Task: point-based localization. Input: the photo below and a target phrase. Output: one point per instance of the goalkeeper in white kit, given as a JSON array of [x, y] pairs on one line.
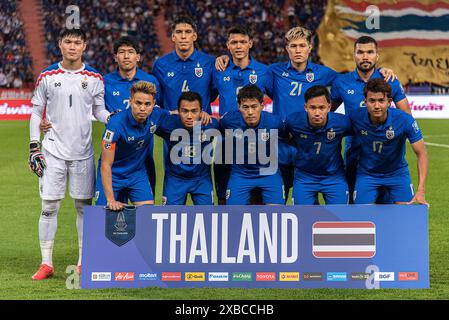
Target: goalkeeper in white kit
[[71, 93]]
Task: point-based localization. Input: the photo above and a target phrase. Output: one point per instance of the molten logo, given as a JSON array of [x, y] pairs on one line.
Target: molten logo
[[124, 276]]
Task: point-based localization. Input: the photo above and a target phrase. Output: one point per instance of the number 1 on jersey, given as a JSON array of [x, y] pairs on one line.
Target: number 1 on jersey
[[70, 101]]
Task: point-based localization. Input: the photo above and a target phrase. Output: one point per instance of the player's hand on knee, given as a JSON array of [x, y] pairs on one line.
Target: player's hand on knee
[[419, 198], [221, 63], [36, 160], [45, 126], [115, 205]]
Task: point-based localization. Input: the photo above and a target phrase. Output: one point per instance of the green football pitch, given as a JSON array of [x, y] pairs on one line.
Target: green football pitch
[[20, 253]]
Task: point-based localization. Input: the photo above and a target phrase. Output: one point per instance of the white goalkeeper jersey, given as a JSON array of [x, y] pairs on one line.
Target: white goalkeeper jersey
[[70, 97]]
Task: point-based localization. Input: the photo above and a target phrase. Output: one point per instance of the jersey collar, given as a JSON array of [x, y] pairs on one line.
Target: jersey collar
[[309, 67], [192, 57], [71, 71], [376, 74], [249, 66]]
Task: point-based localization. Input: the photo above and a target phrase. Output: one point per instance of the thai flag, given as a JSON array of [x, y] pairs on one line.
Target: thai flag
[[332, 239], [402, 23]]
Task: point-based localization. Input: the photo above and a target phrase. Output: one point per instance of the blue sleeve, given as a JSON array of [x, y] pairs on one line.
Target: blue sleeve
[[335, 93], [158, 74], [412, 130], [112, 132], [397, 91], [331, 75], [269, 80]]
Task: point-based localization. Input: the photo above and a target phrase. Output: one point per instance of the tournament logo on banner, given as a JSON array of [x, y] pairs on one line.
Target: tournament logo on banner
[[412, 36], [120, 226], [340, 246]]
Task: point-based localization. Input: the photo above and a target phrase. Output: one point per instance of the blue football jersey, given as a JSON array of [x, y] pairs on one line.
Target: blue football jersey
[[229, 82], [383, 147], [246, 149], [286, 86], [117, 89], [132, 141], [176, 76], [318, 150], [190, 150], [348, 88]]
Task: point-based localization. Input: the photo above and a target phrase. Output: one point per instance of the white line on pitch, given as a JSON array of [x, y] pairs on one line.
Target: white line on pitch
[[437, 145]]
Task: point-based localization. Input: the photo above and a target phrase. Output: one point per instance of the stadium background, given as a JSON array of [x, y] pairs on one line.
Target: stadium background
[[28, 44]]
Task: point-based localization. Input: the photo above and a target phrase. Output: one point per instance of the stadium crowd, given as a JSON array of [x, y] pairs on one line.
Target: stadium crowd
[[15, 60], [105, 21]]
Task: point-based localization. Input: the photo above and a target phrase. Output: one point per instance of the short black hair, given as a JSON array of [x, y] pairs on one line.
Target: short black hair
[[250, 92], [365, 40], [190, 96], [128, 42], [183, 19], [317, 91], [77, 33], [377, 85], [239, 29]]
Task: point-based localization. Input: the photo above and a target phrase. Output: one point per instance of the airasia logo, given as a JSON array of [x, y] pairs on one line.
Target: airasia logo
[[124, 276]]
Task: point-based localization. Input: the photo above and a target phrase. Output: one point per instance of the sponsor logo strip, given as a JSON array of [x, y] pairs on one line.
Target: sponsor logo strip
[[171, 276], [194, 276], [101, 276], [218, 276], [312, 276], [147, 276], [124, 276], [242, 276], [383, 276], [408, 276], [336, 276], [265, 276], [288, 276]]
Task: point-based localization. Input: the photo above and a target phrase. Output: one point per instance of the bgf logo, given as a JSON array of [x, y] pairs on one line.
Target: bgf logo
[[384, 276], [57, 84], [170, 74]]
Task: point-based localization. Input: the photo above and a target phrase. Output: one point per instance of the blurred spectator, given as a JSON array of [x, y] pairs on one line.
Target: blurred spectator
[[104, 22], [15, 60]]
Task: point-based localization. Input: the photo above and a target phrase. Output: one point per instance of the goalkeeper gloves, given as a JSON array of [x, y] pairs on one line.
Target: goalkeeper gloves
[[36, 160]]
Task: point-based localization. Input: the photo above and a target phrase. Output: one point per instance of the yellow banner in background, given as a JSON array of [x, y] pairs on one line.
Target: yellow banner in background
[[413, 37]]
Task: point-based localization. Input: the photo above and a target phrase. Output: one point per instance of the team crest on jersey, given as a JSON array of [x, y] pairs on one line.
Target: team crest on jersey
[[198, 71], [265, 136], [389, 133], [331, 134], [253, 77], [310, 76], [84, 83]]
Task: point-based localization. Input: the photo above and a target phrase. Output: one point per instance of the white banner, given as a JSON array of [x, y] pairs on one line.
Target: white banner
[[425, 106]]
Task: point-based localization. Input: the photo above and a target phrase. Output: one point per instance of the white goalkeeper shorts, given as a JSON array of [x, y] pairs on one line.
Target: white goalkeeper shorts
[[80, 175]]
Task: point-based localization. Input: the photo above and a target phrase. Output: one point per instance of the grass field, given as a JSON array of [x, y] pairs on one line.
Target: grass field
[[20, 253]]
